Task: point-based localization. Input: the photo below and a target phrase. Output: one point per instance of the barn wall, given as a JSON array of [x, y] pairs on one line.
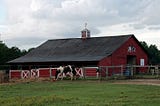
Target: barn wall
[[122, 52], [119, 57], [106, 61]]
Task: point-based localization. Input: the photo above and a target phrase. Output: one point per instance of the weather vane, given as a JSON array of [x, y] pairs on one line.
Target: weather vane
[[85, 25]]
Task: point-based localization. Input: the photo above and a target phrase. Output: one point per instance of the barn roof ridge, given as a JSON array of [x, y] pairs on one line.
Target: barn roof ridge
[[92, 37]]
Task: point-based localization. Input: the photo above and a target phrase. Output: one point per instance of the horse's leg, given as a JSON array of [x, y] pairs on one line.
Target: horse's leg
[[74, 74], [58, 76], [71, 75], [74, 77], [61, 76]]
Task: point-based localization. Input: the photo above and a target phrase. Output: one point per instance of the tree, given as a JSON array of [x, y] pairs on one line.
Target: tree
[[30, 49], [8, 54], [3, 53], [153, 52]]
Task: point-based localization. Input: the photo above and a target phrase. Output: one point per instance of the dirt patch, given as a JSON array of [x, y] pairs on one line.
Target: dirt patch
[[140, 82], [16, 81], [155, 82], [3, 77]]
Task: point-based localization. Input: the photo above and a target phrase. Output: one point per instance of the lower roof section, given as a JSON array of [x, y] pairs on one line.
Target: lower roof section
[[60, 63]]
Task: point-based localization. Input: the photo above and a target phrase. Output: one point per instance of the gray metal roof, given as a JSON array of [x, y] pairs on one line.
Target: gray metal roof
[[74, 49]]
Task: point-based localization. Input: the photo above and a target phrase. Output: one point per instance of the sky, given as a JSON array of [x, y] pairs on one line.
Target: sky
[[29, 23]]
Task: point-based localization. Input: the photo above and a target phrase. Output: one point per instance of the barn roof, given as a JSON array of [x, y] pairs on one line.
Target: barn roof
[[74, 49]]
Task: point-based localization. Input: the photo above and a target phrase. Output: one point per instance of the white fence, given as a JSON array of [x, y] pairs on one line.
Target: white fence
[[101, 72]]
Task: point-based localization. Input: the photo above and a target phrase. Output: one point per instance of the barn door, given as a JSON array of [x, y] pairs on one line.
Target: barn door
[[131, 60]]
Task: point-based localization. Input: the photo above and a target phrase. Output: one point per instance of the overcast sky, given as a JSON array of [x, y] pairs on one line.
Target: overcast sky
[[29, 23]]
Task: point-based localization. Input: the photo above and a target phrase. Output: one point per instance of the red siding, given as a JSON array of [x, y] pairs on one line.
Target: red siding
[[53, 71], [106, 61], [44, 72], [15, 74], [90, 72], [122, 52], [119, 57]]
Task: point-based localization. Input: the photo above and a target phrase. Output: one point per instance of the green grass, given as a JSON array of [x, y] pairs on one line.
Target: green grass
[[78, 93], [146, 76]]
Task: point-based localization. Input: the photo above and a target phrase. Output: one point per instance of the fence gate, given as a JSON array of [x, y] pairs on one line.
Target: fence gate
[[34, 73], [79, 72], [25, 74]]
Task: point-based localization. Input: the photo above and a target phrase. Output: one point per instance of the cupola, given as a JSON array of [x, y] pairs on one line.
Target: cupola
[[85, 33]]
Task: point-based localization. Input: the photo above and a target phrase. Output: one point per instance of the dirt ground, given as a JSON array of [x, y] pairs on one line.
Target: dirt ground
[[139, 82], [155, 82]]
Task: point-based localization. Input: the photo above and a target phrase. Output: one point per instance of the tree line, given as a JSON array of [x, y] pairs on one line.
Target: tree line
[[8, 54], [153, 53]]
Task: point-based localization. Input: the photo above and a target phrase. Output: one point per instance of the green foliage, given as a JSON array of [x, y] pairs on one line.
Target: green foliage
[[153, 52], [30, 49], [7, 54], [78, 93]]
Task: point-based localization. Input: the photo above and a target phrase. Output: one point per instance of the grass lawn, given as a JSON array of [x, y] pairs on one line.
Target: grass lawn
[[78, 93]]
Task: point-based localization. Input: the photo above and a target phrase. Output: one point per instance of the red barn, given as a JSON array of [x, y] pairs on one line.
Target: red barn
[[86, 51]]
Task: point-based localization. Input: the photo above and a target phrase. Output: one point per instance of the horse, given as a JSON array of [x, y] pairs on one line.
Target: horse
[[63, 71]]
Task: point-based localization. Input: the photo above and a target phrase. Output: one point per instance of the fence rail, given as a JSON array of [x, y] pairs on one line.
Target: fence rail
[[132, 71], [101, 72]]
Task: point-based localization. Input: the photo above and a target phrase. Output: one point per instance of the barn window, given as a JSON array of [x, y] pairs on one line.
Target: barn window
[[131, 49], [142, 62]]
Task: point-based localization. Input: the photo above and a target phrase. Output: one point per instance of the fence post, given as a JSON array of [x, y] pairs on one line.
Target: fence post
[[132, 70], [21, 74], [50, 72], [121, 70], [98, 72], [10, 74], [106, 72], [84, 72], [148, 69], [157, 71]]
